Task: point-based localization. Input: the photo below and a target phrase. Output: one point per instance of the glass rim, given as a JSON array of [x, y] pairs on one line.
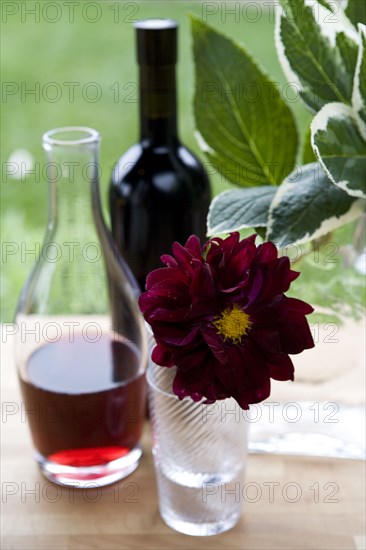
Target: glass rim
[[92, 136], [153, 385]]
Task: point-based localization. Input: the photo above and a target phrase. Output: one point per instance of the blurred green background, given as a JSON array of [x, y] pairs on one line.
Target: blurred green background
[[79, 59]]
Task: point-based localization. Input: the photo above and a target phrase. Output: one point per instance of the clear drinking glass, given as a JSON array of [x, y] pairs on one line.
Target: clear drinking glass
[[199, 454], [81, 346]]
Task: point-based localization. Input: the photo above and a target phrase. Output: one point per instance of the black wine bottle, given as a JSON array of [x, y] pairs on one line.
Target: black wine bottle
[[159, 192]]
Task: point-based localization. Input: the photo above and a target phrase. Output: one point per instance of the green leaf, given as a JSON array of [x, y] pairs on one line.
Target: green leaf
[[327, 5], [348, 50], [339, 147], [356, 11], [307, 151], [237, 209], [359, 85], [308, 205], [261, 231], [240, 114], [316, 51]]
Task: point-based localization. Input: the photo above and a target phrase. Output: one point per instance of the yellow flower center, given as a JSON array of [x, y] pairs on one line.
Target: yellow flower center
[[233, 324]]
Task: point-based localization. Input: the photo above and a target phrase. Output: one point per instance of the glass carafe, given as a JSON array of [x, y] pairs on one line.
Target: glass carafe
[[81, 344]]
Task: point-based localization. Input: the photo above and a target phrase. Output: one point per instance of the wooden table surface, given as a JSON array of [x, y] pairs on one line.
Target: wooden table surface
[[290, 502]]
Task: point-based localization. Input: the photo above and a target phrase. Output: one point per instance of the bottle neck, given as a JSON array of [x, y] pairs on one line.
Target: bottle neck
[[158, 105], [71, 172]]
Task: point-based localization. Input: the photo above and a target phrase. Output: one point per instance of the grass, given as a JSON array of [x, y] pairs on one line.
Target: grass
[[36, 53]]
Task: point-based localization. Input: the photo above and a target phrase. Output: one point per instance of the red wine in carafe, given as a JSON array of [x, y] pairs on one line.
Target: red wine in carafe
[[85, 401]]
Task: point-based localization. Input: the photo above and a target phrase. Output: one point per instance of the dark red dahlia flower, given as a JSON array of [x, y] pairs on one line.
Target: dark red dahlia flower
[[220, 315]]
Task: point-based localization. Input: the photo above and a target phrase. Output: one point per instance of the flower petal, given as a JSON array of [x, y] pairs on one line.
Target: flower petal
[[175, 334], [194, 246], [215, 343], [266, 252], [168, 260], [293, 328], [165, 274], [283, 370], [162, 356]]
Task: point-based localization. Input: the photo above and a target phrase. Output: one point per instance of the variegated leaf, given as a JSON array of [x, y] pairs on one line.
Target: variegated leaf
[[316, 48], [237, 209], [340, 148], [359, 84], [308, 205]]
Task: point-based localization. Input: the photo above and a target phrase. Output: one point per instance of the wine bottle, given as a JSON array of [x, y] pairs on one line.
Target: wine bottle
[[159, 191]]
